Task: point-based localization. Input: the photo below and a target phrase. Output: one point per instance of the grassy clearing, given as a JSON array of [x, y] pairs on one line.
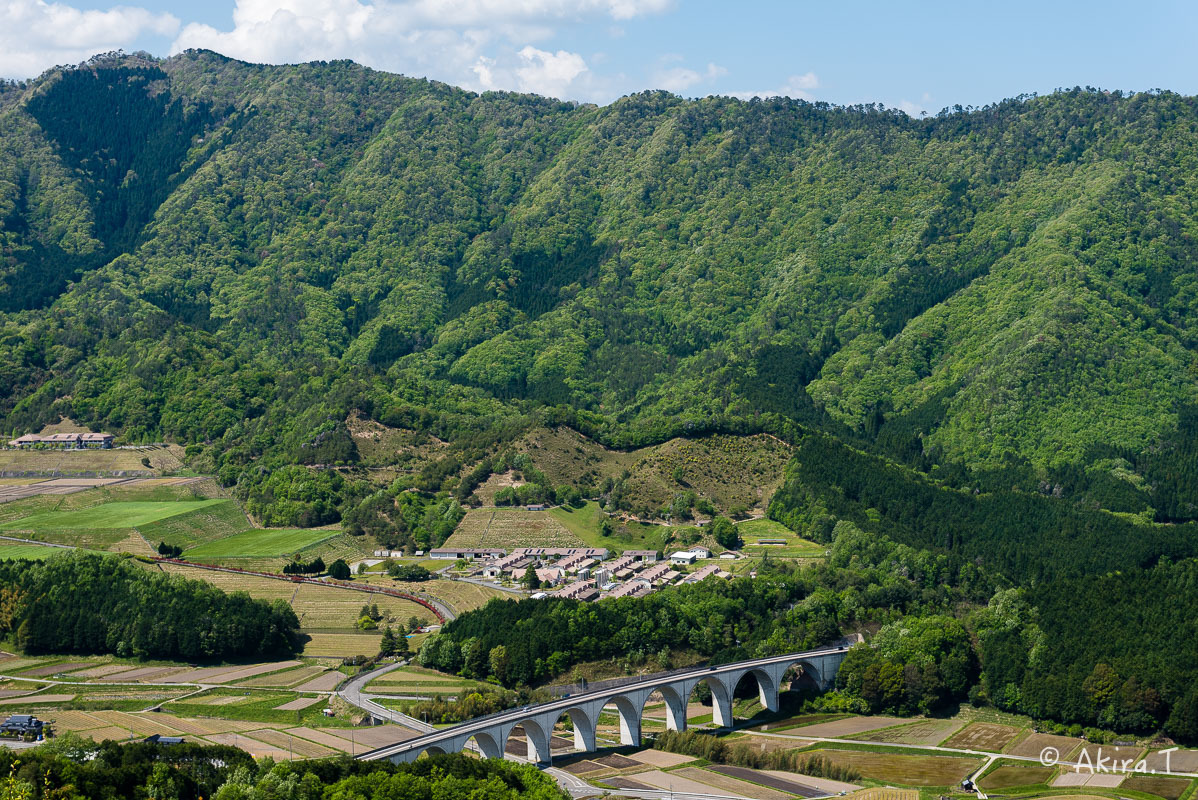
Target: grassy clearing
[[509, 528], [108, 515], [731, 471], [756, 531], [584, 523], [262, 543]]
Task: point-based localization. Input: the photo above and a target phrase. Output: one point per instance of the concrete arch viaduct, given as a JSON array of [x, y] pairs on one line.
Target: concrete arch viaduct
[[490, 733]]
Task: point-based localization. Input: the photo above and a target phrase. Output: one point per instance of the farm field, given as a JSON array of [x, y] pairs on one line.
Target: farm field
[[417, 680], [1160, 786], [261, 542], [849, 726], [509, 528], [339, 645], [205, 524], [987, 736], [31, 551], [460, 596], [1012, 775], [1034, 744], [907, 770], [928, 731], [107, 515]]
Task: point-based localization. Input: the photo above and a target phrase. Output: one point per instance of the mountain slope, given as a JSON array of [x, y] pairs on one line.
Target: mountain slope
[[258, 252]]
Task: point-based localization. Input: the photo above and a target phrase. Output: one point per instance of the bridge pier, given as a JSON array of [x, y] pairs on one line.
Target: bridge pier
[[676, 696], [537, 733]]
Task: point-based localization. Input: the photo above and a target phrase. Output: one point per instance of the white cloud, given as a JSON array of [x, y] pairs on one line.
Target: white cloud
[[799, 87], [916, 109], [548, 73], [479, 44], [36, 35], [679, 79]]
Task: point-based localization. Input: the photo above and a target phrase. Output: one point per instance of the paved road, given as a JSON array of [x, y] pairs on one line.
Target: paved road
[[353, 693]]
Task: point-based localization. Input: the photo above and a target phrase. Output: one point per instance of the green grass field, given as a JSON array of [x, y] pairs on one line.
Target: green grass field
[[30, 551], [108, 515], [261, 543]]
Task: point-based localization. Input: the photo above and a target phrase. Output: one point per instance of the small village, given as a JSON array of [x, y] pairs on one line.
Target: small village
[[581, 573]]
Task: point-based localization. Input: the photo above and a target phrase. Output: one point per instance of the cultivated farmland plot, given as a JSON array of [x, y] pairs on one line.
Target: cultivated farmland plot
[[510, 528], [108, 515], [907, 770], [261, 543]]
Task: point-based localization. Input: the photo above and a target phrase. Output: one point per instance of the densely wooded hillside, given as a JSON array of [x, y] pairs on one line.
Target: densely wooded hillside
[[242, 257]]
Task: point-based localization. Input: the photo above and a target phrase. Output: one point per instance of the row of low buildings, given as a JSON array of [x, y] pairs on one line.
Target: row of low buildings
[[65, 441], [584, 573]]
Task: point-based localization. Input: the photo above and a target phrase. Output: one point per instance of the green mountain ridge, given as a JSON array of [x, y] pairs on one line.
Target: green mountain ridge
[[254, 253]]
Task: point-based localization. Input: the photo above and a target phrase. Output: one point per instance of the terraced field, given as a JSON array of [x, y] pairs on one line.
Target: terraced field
[[510, 528]]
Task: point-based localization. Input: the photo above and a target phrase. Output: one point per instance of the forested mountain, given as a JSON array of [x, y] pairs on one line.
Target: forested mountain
[[241, 257]]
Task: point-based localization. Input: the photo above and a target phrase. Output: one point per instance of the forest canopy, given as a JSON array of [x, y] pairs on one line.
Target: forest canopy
[[88, 603]]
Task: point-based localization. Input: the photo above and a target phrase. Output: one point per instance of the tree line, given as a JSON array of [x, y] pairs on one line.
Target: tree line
[[89, 603]]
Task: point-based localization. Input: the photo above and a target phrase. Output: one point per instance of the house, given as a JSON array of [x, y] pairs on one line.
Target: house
[[642, 555], [536, 507], [575, 563], [667, 577], [102, 441], [652, 574], [579, 590], [22, 724], [548, 576], [690, 556], [158, 738], [634, 588], [469, 553], [28, 440], [597, 553], [65, 440], [703, 573], [623, 562]]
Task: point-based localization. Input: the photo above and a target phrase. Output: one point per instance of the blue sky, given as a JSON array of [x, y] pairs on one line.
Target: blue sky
[[919, 56]]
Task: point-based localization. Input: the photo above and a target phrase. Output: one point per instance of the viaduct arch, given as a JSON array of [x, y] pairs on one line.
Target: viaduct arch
[[490, 733]]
